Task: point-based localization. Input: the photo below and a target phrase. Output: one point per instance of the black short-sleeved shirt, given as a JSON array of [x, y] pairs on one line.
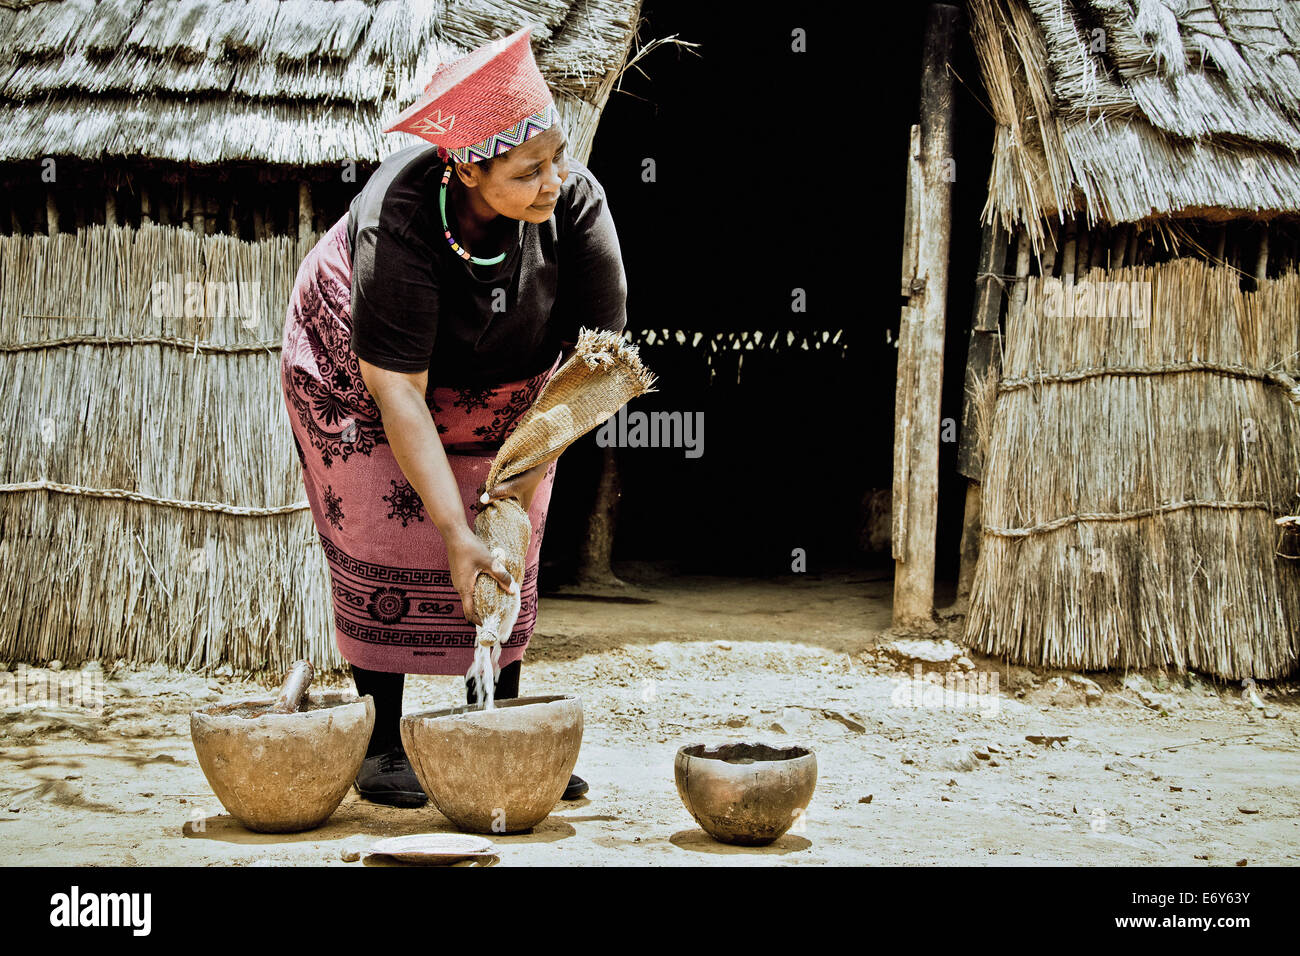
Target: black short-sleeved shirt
[[417, 305]]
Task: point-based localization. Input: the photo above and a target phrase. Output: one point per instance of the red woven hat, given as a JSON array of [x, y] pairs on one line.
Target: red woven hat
[[484, 103]]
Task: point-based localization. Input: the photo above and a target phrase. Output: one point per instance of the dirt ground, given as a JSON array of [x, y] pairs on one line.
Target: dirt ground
[[1150, 773]]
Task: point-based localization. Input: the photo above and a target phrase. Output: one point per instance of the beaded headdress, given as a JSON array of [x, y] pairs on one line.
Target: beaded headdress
[[483, 104]]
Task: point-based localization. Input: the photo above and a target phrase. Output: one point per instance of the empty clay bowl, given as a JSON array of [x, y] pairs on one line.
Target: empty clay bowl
[[280, 773], [746, 794], [500, 770]]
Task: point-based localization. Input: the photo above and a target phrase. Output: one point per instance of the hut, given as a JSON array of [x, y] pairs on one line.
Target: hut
[[1135, 387], [165, 167]]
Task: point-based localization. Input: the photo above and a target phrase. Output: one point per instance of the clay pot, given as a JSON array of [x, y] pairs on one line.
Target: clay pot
[[500, 770], [746, 794], [280, 773]]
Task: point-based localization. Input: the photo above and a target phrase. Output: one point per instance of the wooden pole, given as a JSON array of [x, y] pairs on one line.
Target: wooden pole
[[1261, 261], [905, 385], [304, 212], [146, 210], [597, 546], [982, 355], [1100, 250], [972, 528], [187, 205], [1119, 245], [911, 221], [1069, 251], [920, 358], [110, 208], [51, 214], [1047, 260], [982, 360], [198, 221], [163, 205]]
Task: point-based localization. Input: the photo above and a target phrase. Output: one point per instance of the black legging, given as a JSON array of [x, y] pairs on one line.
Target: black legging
[[386, 689]]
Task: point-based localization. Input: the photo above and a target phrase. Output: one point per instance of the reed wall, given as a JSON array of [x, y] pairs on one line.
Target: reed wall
[[1139, 449]]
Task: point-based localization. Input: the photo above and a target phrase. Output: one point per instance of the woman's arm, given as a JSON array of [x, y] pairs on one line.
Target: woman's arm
[[414, 439]]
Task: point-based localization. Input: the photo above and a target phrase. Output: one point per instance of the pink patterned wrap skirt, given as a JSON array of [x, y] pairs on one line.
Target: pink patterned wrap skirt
[[395, 608]]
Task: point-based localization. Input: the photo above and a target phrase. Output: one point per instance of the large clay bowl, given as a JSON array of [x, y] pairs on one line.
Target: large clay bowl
[[280, 773], [496, 771], [746, 794]]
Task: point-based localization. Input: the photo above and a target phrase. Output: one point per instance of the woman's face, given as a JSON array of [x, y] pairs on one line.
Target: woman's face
[[524, 182]]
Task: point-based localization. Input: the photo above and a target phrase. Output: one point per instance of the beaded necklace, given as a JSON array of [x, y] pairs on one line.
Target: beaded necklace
[[446, 229]]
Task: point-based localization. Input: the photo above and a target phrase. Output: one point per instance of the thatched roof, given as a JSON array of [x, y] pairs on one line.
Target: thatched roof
[[299, 82], [1133, 109]]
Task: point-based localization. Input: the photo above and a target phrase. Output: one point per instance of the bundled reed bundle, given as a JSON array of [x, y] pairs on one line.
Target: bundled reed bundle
[[150, 497], [602, 375], [1134, 469]]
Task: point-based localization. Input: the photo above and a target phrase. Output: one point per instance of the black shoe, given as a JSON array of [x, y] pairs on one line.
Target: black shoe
[[576, 788], [387, 778]]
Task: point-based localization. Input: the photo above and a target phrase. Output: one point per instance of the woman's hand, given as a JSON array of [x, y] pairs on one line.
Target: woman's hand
[[523, 486], [467, 556]]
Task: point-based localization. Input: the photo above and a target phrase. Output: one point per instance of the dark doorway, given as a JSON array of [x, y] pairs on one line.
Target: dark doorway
[[774, 171]]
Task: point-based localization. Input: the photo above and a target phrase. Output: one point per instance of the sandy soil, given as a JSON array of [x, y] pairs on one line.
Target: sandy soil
[[1197, 775]]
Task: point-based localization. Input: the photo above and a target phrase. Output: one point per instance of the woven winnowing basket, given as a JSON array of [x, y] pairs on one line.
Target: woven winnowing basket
[[602, 375]]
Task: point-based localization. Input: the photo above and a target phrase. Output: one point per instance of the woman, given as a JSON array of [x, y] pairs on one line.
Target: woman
[[408, 359]]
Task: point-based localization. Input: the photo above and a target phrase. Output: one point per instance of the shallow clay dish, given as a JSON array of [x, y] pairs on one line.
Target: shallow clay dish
[[433, 847], [500, 770], [746, 794], [280, 773]]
